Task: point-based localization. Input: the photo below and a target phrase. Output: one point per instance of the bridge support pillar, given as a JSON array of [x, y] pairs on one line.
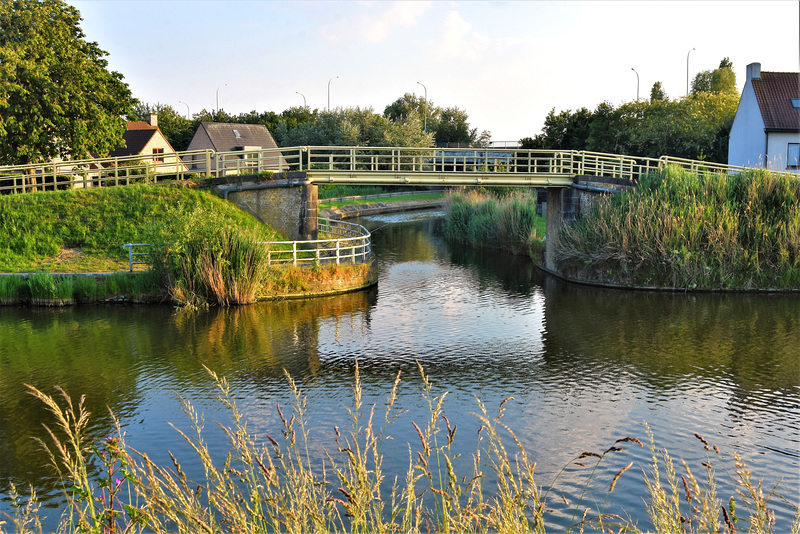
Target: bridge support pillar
[[555, 219], [308, 214]]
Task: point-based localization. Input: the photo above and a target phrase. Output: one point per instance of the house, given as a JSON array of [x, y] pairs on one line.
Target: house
[[146, 139], [766, 129], [232, 137]]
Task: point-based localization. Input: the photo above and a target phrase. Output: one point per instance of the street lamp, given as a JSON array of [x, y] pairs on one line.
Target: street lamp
[[218, 88], [426, 106], [304, 98], [637, 84], [329, 92], [187, 108], [687, 71]]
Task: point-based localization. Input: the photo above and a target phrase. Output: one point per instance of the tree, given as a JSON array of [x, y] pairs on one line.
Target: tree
[[720, 80], [657, 93], [57, 96]]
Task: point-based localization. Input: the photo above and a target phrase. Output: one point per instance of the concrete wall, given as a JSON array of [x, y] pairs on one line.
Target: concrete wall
[[291, 210]]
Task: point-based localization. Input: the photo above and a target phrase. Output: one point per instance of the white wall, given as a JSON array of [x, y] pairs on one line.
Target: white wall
[[747, 141], [777, 147]]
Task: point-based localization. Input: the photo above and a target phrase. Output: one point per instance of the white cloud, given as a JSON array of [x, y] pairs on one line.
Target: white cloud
[[374, 21], [453, 40]]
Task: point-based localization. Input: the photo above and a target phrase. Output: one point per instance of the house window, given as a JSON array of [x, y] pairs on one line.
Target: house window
[[796, 103], [793, 156], [158, 151], [237, 134]]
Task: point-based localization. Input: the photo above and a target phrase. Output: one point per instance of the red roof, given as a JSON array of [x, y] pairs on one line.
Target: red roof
[[774, 92], [136, 137]]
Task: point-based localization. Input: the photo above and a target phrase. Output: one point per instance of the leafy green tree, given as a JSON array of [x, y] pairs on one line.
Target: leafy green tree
[[657, 93], [57, 96], [358, 127], [720, 80]]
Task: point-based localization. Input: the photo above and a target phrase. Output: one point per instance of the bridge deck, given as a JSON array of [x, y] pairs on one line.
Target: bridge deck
[[353, 165]]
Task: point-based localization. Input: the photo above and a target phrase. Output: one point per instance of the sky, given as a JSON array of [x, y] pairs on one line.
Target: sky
[[506, 63]]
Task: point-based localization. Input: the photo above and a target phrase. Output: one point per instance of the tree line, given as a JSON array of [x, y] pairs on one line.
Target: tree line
[[408, 121], [693, 127]]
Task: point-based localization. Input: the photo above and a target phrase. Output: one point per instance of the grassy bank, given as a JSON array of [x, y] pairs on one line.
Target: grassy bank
[[288, 481], [689, 231], [84, 230], [506, 222], [205, 251]]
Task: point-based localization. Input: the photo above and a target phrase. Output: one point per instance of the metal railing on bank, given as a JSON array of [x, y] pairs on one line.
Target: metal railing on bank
[[346, 162], [350, 243]]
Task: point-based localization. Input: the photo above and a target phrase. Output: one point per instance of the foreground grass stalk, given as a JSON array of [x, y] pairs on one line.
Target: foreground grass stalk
[[268, 484]]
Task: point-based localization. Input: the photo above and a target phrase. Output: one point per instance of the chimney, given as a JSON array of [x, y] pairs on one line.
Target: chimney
[[754, 72], [152, 120]]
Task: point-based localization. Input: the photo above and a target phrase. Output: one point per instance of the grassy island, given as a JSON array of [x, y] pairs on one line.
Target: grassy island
[[205, 250], [676, 230], [691, 231]]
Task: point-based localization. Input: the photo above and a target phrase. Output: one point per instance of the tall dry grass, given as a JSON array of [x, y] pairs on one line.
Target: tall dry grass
[[274, 483], [692, 231]]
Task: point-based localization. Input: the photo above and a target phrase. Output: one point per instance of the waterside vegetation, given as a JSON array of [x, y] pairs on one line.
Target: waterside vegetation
[[682, 230], [274, 483], [507, 221], [205, 251]]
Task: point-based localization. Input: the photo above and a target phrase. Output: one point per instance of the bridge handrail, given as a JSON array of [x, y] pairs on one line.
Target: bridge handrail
[[353, 245], [319, 160]]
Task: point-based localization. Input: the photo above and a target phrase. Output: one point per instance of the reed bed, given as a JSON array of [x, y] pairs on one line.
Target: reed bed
[[692, 231], [45, 289], [205, 260], [508, 222], [272, 483]]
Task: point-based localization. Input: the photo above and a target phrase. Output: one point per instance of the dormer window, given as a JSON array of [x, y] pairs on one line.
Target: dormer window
[[796, 103]]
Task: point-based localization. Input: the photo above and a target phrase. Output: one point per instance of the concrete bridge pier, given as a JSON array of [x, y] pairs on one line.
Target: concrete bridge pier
[[555, 220]]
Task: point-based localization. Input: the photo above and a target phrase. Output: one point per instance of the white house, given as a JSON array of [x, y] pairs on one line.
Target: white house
[[146, 139], [766, 129]]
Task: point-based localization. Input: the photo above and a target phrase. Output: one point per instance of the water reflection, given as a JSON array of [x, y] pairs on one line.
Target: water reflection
[[585, 366]]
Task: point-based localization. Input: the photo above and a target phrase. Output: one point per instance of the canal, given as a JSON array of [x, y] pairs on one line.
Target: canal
[[583, 367]]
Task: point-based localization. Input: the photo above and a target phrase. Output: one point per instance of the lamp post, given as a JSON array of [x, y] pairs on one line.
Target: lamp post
[[687, 71], [187, 108], [304, 98], [329, 92], [637, 84], [218, 88], [426, 106]]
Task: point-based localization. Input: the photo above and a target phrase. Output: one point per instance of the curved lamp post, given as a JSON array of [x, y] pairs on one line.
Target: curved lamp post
[[329, 92], [187, 108], [687, 71], [426, 106], [304, 98], [218, 88], [637, 84]]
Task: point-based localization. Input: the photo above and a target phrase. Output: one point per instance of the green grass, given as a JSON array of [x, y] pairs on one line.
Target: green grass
[[688, 231], [39, 228], [339, 190], [402, 198]]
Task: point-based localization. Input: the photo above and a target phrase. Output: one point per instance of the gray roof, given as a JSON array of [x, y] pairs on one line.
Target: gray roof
[[225, 137]]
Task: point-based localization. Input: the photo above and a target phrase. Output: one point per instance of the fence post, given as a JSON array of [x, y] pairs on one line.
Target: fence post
[[208, 164]]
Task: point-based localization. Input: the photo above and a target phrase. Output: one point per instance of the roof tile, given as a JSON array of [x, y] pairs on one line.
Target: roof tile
[[774, 92]]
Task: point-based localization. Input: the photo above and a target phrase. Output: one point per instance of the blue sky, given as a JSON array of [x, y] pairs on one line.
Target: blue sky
[[506, 63]]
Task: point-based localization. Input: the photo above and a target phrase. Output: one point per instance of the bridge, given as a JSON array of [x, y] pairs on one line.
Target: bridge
[[310, 166]]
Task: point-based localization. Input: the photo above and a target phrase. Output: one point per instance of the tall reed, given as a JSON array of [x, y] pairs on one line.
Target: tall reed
[[692, 231], [508, 221]]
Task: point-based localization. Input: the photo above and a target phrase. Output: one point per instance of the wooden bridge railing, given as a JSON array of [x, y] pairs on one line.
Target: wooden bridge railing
[[329, 159]]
